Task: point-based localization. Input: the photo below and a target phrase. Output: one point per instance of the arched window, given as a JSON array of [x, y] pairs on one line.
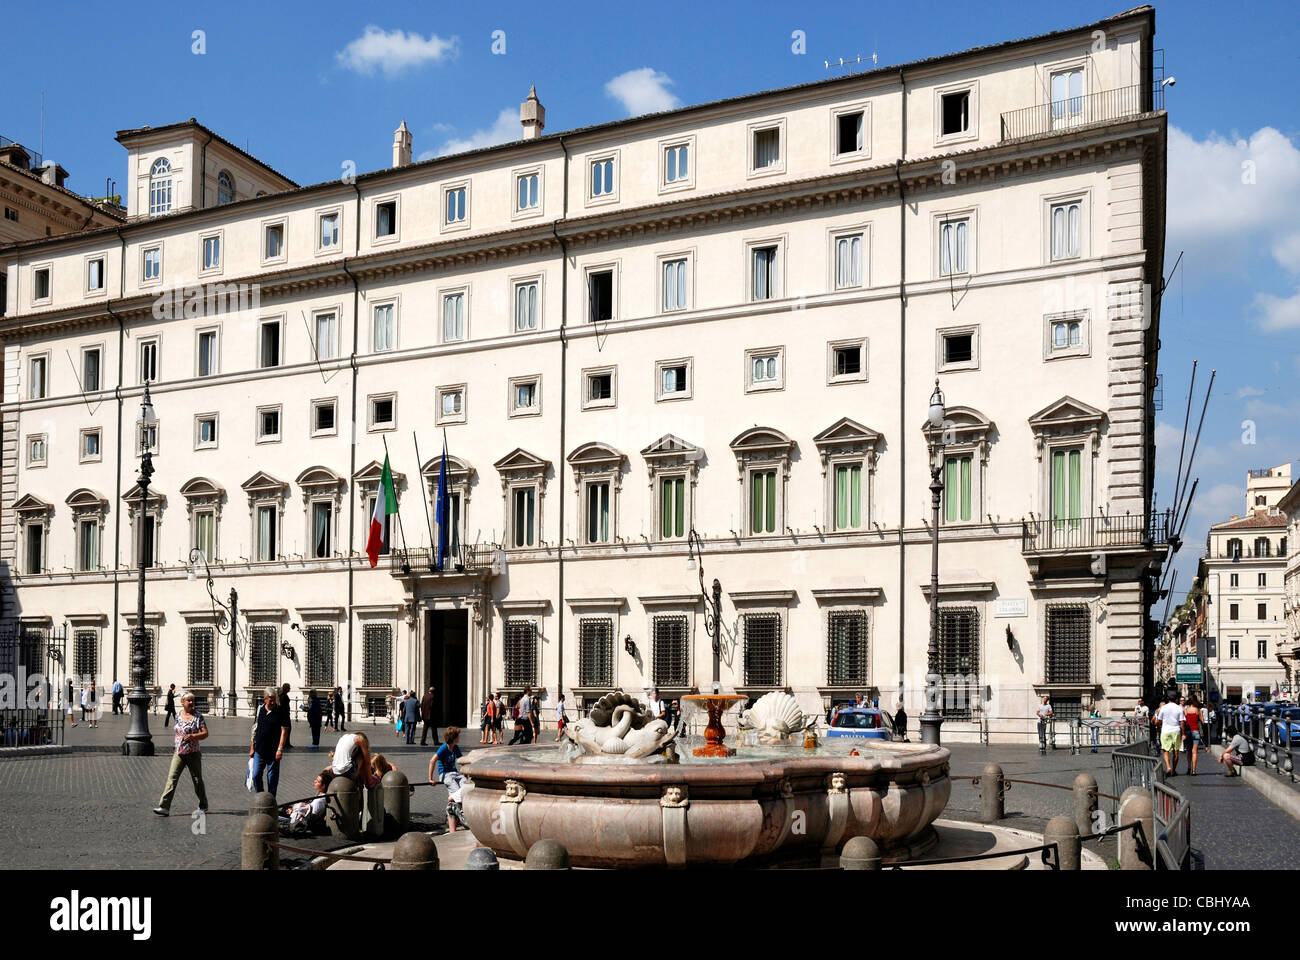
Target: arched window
[[160, 187], [225, 187]]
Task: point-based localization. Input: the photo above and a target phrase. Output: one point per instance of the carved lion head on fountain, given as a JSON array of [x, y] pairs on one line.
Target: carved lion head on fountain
[[618, 725]]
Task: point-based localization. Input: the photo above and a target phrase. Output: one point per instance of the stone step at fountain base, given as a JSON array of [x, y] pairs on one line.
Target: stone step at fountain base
[[957, 838]]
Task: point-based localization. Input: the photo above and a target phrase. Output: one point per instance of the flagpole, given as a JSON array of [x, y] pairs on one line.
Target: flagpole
[[425, 488], [406, 554]]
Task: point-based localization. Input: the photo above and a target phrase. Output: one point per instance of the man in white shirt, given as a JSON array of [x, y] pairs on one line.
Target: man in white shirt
[[1171, 718], [656, 707]]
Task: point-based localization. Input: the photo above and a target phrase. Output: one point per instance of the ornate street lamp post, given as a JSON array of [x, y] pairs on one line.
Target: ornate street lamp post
[[227, 624], [139, 742], [932, 718], [712, 604]]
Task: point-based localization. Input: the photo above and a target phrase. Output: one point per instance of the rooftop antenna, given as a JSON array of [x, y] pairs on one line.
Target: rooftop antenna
[[851, 63]]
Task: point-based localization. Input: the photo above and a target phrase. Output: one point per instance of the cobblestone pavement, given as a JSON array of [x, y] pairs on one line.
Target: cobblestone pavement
[[90, 807]]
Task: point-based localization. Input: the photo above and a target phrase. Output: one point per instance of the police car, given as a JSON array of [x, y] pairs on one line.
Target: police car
[[866, 723]]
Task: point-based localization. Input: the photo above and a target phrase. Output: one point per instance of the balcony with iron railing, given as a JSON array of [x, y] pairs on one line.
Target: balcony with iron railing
[[1059, 115], [471, 559], [1122, 532]]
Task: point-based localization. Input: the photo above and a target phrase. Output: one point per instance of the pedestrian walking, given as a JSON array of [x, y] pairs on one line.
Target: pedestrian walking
[[1195, 727], [1044, 714], [285, 719], [534, 719], [190, 729], [656, 707], [92, 704], [1171, 719], [267, 744], [426, 717], [314, 717], [519, 717], [1141, 718], [67, 703], [499, 719], [117, 697], [83, 703], [485, 711], [900, 720], [442, 769], [411, 717], [561, 720], [338, 709], [171, 705]]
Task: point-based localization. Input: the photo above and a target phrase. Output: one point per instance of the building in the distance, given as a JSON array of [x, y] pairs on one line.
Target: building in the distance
[[1246, 645], [1289, 506], [708, 335]]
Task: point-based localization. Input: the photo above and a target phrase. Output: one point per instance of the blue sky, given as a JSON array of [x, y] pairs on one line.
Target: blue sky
[[299, 86]]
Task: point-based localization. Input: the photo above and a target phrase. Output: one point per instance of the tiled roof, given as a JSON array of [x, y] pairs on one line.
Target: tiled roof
[[1256, 521], [64, 191]]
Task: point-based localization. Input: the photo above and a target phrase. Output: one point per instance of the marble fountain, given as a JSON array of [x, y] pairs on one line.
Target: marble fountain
[[623, 790]]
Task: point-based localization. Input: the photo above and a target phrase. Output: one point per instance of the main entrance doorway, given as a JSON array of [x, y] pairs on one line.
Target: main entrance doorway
[[448, 669]]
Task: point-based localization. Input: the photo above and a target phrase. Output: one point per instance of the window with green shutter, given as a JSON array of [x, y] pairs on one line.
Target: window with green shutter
[[848, 496], [762, 501], [672, 508], [957, 488], [1067, 487]]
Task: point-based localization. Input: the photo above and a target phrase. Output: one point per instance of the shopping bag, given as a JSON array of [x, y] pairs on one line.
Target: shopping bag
[[399, 724], [248, 778]]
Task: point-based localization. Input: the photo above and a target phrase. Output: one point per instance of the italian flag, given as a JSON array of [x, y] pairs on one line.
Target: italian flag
[[385, 505]]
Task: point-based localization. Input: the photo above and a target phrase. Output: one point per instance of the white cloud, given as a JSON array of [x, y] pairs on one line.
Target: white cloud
[[1243, 392], [643, 90], [1227, 195], [505, 129], [1278, 313], [393, 51]]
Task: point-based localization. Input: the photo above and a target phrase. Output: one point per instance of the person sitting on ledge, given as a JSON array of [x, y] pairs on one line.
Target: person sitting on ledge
[[1237, 754], [352, 759]]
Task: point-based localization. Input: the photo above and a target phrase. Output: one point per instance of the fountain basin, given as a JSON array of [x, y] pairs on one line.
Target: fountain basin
[[764, 804]]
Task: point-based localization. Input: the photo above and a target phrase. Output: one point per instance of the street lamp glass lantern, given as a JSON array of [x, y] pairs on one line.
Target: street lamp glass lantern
[[936, 407], [146, 423]]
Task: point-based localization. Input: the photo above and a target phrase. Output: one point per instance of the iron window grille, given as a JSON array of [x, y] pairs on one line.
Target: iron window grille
[[1069, 644], [959, 648], [24, 652], [377, 665], [596, 652], [201, 656], [1065, 709], [263, 656], [84, 659], [846, 649], [762, 650], [519, 647], [319, 667], [670, 666]]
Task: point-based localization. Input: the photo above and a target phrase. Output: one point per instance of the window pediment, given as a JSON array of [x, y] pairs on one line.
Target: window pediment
[[595, 459], [670, 451], [458, 471], [762, 444], [33, 506], [263, 484], [1067, 417], [202, 490], [132, 497], [519, 465], [85, 500], [369, 476], [318, 478], [847, 436]]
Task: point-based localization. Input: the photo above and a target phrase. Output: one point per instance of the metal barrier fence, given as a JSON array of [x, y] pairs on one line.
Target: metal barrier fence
[[1272, 736], [1173, 822], [1138, 765], [1097, 732]]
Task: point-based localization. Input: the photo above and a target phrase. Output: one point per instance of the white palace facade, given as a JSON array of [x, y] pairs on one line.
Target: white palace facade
[[726, 319]]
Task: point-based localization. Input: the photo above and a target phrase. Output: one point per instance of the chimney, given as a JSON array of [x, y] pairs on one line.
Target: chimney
[[532, 115], [401, 146]]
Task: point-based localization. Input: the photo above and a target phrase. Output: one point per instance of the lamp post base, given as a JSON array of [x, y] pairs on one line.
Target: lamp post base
[[138, 742], [930, 724]]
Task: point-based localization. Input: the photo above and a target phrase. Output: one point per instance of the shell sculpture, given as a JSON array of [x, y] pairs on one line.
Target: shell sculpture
[[774, 717]]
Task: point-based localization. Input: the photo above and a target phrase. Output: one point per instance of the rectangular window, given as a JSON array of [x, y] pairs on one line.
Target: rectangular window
[[457, 207], [959, 660], [212, 252], [263, 656], [525, 397], [95, 274], [205, 431], [957, 488], [847, 361], [848, 496], [322, 528], [329, 230], [847, 660], [1065, 219], [954, 236], [526, 191], [602, 178], [1067, 97], [383, 329], [519, 650], [36, 451], [674, 285], [386, 218], [273, 244], [524, 516], [1234, 611], [90, 370], [322, 417], [377, 655], [268, 423], [451, 403], [1066, 334], [11, 214], [671, 652], [88, 545], [85, 658], [1067, 488], [453, 317], [1263, 579], [600, 389], [35, 548], [1234, 649], [207, 353], [1069, 651], [149, 540], [90, 445], [383, 413], [326, 336], [598, 530], [319, 666], [201, 656], [762, 502], [763, 265], [526, 306], [41, 284], [153, 263], [762, 635], [1261, 649], [267, 533], [672, 508], [674, 380], [596, 652], [37, 385], [956, 112], [1261, 611], [148, 361], [848, 261], [958, 348], [767, 148], [600, 293], [205, 534], [677, 161], [848, 132], [1232, 580], [764, 369], [269, 347]]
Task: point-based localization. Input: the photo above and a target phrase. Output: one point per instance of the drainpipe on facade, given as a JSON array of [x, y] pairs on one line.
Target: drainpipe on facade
[[559, 466], [352, 444], [203, 173], [117, 494], [902, 389]]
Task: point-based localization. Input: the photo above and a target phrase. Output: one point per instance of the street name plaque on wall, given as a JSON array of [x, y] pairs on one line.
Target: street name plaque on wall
[[1187, 668], [1011, 607]]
